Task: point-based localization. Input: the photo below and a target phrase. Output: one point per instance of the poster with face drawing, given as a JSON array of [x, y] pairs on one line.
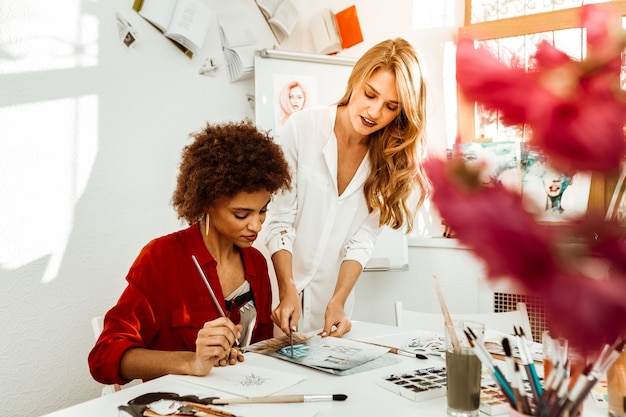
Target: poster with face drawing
[[557, 195], [292, 93], [499, 158]]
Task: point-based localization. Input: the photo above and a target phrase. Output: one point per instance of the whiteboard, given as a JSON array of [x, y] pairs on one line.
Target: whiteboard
[[324, 78]]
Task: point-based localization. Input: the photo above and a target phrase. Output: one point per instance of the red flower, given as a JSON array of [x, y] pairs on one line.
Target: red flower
[[575, 109], [492, 222]]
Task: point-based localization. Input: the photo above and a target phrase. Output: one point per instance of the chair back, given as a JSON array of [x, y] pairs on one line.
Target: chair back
[[97, 324], [502, 322]]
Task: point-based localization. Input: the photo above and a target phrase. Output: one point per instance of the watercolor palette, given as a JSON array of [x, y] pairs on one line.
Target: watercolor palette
[[492, 400], [429, 383], [418, 384]]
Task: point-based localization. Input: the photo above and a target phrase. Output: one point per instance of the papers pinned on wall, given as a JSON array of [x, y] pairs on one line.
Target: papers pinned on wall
[[184, 22], [238, 43]]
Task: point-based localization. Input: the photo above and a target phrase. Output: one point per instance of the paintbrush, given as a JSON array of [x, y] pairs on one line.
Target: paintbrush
[[280, 399], [396, 350], [516, 379], [215, 301], [493, 369], [291, 341], [528, 363], [456, 345], [599, 368]]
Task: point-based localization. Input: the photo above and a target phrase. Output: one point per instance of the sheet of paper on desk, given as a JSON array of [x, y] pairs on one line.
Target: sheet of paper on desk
[[493, 343], [331, 354], [246, 380]]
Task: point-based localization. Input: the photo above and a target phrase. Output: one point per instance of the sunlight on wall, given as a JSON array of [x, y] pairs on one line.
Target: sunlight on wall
[[49, 140], [450, 92], [433, 14], [44, 168], [46, 35]]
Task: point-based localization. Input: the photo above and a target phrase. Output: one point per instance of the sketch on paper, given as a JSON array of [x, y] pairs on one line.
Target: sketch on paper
[[557, 195], [329, 354], [554, 195], [249, 381], [276, 343], [253, 380], [501, 160]]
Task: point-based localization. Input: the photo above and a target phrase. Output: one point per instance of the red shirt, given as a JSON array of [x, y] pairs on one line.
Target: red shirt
[[166, 302]]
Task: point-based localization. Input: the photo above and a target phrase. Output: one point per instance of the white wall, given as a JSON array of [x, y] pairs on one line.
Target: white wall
[[90, 138]]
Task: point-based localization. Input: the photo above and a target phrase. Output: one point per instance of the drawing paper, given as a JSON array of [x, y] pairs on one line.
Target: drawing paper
[[247, 381], [329, 354]]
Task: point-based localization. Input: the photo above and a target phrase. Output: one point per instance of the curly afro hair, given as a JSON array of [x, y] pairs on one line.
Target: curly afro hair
[[223, 160]]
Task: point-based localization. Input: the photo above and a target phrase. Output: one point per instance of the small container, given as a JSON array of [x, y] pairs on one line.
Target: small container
[[463, 371]]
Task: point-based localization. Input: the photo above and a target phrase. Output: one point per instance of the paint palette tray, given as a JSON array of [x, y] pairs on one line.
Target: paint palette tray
[[418, 384], [492, 400]]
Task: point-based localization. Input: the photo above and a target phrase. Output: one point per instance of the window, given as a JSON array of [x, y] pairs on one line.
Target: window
[[511, 29]]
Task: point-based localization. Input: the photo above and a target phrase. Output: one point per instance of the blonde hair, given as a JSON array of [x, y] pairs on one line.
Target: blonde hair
[[397, 150]]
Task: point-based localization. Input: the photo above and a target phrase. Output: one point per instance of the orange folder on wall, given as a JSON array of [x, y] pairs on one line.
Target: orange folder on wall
[[349, 27]]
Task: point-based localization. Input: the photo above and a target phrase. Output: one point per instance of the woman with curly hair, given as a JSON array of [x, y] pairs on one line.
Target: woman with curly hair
[[165, 321], [357, 167]]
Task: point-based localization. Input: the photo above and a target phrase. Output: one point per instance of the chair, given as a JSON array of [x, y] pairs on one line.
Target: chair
[[501, 322], [97, 324]]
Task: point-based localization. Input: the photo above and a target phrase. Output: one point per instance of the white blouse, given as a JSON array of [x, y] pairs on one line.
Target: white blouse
[[320, 228]]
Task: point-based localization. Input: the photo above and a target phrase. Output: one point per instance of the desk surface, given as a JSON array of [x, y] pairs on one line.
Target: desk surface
[[365, 397]]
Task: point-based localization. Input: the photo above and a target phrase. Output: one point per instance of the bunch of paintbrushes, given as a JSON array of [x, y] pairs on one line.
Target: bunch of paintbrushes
[[558, 397]]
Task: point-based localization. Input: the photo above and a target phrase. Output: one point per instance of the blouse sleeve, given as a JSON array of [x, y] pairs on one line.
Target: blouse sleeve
[[360, 245], [129, 324], [283, 208]]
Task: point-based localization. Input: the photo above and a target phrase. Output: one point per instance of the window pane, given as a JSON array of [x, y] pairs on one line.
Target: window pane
[[488, 10], [516, 52]]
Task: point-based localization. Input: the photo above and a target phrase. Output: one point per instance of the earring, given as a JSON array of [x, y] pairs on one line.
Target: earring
[[206, 223]]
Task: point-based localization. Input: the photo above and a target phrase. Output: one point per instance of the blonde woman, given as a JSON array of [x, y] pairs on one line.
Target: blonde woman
[[356, 167]]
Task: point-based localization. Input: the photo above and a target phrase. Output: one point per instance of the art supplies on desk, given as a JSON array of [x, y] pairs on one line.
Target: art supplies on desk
[[429, 343], [246, 380], [329, 354], [417, 384], [432, 342], [428, 383], [493, 343], [492, 400]]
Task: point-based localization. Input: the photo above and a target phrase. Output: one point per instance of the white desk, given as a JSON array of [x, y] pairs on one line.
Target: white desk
[[365, 397]]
